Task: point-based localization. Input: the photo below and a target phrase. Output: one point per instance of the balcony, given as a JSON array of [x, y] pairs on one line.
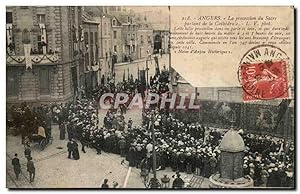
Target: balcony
[[36, 59]]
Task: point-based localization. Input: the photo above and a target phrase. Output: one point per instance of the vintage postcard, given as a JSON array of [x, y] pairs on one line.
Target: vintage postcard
[[152, 97]]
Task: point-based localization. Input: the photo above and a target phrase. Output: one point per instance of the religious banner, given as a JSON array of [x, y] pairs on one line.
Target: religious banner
[[43, 37], [28, 62]]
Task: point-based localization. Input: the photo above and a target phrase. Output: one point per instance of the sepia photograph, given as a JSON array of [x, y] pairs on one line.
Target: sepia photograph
[[150, 97]]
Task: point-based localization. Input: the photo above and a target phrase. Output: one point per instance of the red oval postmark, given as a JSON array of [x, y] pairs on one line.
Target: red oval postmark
[[263, 73]]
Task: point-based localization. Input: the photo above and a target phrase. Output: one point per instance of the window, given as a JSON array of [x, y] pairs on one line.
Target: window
[[104, 45], [39, 44], [96, 43], [92, 53], [128, 36], [26, 36], [96, 37], [44, 81], [114, 22], [104, 28], [96, 53], [86, 38], [142, 39], [87, 60], [133, 36], [9, 18], [12, 83], [115, 48], [115, 34], [41, 18], [91, 38], [107, 28], [149, 40]]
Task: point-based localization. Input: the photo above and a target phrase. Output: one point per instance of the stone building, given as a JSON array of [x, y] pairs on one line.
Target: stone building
[[117, 43], [129, 37], [41, 60], [145, 40], [101, 14], [161, 40], [89, 77]]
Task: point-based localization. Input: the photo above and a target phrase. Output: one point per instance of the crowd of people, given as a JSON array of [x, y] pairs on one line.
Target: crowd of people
[[183, 147]]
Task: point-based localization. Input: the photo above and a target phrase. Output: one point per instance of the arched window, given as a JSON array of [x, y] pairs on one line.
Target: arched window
[[26, 36]]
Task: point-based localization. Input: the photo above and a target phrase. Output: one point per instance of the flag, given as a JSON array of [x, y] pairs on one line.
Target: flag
[[157, 72], [124, 76], [27, 49], [283, 106], [128, 76], [43, 37], [138, 73], [8, 34]]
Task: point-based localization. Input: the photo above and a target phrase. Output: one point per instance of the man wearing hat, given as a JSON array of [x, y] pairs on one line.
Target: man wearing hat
[[31, 169], [16, 164], [70, 147], [181, 159]]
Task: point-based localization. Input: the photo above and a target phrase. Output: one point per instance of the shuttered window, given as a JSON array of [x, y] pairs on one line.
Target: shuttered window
[[44, 81]]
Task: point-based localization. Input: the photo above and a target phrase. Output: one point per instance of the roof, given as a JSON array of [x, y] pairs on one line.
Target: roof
[[118, 22], [87, 18], [232, 142]]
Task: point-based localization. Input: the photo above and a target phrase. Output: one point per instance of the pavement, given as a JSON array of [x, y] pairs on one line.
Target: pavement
[[55, 170]]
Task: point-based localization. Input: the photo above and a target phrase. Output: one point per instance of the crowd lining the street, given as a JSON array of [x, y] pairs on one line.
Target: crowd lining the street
[[184, 147]]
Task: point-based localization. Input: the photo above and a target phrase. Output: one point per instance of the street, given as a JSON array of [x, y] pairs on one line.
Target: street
[[139, 64], [55, 170]]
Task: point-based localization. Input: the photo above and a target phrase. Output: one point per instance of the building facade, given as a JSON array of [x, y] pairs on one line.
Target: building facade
[[89, 77], [129, 37], [40, 53], [117, 44], [161, 40], [104, 42], [145, 40]]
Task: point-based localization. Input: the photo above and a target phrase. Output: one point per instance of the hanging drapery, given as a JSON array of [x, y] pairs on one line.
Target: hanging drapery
[[28, 62]]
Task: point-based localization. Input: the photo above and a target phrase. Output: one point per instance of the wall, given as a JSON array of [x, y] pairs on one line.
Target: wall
[[58, 29], [147, 35], [218, 104]]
